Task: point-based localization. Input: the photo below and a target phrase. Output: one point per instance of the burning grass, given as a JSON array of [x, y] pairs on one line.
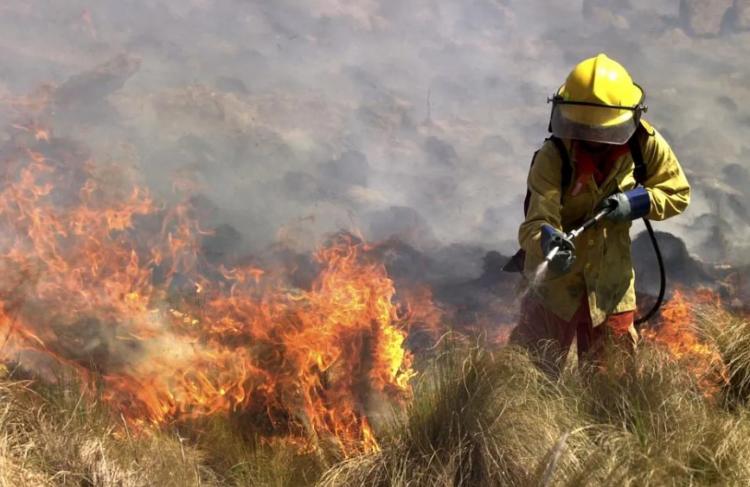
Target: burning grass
[[100, 279], [477, 417]]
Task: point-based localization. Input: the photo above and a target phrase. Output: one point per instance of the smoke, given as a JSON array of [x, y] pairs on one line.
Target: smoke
[[418, 119]]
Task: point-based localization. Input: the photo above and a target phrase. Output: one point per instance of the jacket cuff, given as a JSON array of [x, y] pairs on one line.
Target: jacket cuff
[[640, 202]]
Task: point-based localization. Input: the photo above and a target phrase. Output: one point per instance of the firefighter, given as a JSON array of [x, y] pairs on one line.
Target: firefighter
[[599, 152]]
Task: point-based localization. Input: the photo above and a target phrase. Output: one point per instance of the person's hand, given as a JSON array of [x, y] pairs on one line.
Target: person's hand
[[553, 238], [627, 206]]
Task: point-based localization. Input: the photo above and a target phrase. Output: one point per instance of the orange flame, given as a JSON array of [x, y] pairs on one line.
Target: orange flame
[[108, 281], [676, 332]]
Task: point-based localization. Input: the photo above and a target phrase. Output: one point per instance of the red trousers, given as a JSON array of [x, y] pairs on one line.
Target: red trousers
[[548, 338]]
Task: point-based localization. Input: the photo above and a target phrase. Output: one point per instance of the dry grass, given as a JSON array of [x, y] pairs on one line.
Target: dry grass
[[53, 436], [483, 418], [478, 418]]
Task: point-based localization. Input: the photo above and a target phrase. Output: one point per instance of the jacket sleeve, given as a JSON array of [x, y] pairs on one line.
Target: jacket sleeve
[[543, 183], [665, 180]]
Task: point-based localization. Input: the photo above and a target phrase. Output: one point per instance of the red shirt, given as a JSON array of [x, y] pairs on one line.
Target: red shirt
[[597, 165]]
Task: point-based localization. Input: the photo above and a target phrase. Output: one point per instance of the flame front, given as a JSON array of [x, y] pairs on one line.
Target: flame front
[[106, 280]]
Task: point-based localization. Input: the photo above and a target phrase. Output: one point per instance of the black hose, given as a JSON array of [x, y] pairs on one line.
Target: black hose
[[663, 276]]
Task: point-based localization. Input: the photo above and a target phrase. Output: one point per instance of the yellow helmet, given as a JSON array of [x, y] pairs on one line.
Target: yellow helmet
[[599, 102]]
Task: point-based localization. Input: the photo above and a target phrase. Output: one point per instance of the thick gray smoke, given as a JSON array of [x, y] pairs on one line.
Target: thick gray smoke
[[413, 118]]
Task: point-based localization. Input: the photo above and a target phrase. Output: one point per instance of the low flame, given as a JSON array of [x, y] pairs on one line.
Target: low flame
[[107, 281], [676, 332]]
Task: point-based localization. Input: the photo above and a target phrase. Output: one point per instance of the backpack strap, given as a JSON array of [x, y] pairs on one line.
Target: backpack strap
[[527, 198], [516, 263], [636, 152], [566, 168]]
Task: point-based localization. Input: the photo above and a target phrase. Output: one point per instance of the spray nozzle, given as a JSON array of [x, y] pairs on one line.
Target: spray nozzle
[[552, 253]]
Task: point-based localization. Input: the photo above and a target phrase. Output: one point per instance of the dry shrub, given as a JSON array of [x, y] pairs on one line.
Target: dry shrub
[[54, 436], [731, 334], [482, 418], [478, 418], [241, 457]]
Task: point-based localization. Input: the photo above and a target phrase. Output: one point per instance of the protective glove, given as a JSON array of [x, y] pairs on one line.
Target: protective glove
[[563, 260], [628, 206]]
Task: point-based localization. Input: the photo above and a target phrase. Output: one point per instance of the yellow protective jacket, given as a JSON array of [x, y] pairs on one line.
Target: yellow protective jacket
[[603, 269]]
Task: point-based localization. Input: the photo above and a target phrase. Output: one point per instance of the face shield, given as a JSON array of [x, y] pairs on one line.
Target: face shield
[[593, 122]]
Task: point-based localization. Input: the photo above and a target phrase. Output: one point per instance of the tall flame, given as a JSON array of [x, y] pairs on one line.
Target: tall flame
[[106, 280]]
